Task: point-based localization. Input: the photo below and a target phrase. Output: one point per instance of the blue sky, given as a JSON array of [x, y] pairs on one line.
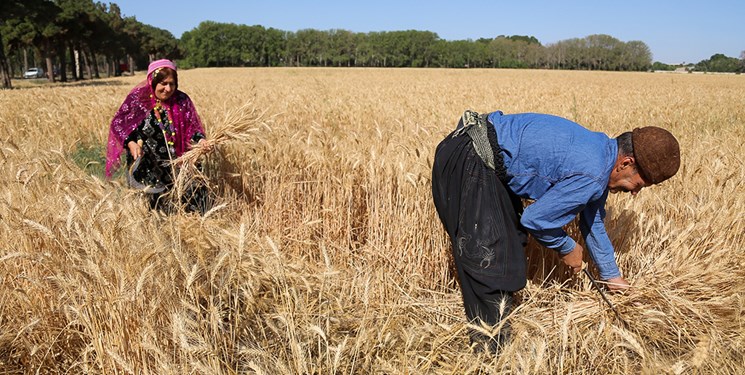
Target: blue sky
[[676, 31]]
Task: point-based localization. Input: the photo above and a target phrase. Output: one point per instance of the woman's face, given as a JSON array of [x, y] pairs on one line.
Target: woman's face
[[165, 88]]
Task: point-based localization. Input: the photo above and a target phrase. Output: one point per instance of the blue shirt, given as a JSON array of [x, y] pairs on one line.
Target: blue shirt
[[565, 168]]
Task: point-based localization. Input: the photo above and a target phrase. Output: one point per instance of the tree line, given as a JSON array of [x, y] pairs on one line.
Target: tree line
[[221, 44], [82, 37]]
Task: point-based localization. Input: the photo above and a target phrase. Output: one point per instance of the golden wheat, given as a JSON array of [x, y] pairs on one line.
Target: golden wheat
[[323, 253]]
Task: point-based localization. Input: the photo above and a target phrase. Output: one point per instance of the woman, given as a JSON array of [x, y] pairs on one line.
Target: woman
[[156, 124]]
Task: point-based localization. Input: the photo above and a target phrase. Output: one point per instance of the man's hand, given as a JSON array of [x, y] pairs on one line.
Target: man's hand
[[573, 259], [617, 284]]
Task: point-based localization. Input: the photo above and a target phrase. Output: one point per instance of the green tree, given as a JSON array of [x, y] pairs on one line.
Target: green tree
[[308, 47], [603, 52], [251, 40], [719, 63], [158, 43], [78, 20], [121, 36], [376, 48], [524, 38], [567, 54], [662, 66], [460, 53], [636, 56], [364, 53], [16, 31], [275, 45], [50, 35], [213, 44], [420, 47], [342, 45], [506, 52], [30, 24], [127, 31]]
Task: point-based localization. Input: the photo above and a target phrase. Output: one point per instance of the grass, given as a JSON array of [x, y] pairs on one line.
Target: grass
[[323, 253], [91, 158]]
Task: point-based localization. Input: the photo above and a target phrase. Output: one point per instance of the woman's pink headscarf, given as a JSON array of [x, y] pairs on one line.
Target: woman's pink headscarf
[[157, 64], [137, 106]]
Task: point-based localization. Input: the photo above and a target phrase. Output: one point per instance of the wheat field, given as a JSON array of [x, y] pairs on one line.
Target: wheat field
[[323, 253]]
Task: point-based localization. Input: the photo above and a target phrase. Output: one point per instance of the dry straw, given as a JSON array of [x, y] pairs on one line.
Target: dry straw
[[239, 125], [324, 253]]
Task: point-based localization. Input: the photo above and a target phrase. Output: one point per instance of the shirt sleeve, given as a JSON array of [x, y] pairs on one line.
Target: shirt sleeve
[[592, 227], [560, 204], [135, 135], [198, 136]]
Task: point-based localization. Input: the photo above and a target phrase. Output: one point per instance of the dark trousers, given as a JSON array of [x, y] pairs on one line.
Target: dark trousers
[[481, 217]]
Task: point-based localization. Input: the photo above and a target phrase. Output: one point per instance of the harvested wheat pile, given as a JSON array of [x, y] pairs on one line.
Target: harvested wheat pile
[[323, 252]]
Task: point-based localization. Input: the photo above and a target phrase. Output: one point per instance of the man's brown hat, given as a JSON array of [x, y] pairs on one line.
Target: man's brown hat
[[657, 153]]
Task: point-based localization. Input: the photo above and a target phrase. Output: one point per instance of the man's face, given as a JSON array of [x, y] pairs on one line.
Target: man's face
[[625, 177]]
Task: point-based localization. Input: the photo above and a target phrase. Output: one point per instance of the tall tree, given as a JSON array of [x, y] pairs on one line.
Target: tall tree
[[158, 43], [211, 44], [719, 63], [77, 19], [603, 52], [49, 35], [275, 44], [343, 45], [636, 56], [28, 23], [13, 25]]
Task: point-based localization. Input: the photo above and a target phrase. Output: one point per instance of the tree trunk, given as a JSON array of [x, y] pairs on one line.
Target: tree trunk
[[79, 65], [4, 69], [25, 59], [5, 72], [94, 62], [86, 61], [73, 66], [50, 67], [62, 64]]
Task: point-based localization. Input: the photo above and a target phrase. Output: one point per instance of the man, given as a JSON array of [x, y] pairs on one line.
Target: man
[[489, 162]]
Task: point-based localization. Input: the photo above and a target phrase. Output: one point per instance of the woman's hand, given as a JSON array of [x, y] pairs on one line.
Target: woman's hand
[[135, 149], [206, 146]]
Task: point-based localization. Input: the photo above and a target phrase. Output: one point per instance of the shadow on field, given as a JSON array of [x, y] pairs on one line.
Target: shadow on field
[[234, 175], [37, 83], [544, 265], [96, 83], [623, 230]]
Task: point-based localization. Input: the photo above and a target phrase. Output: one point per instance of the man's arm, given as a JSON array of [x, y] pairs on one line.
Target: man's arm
[[560, 204], [598, 243]]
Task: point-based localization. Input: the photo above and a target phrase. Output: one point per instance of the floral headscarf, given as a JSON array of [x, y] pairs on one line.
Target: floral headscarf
[[137, 106]]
